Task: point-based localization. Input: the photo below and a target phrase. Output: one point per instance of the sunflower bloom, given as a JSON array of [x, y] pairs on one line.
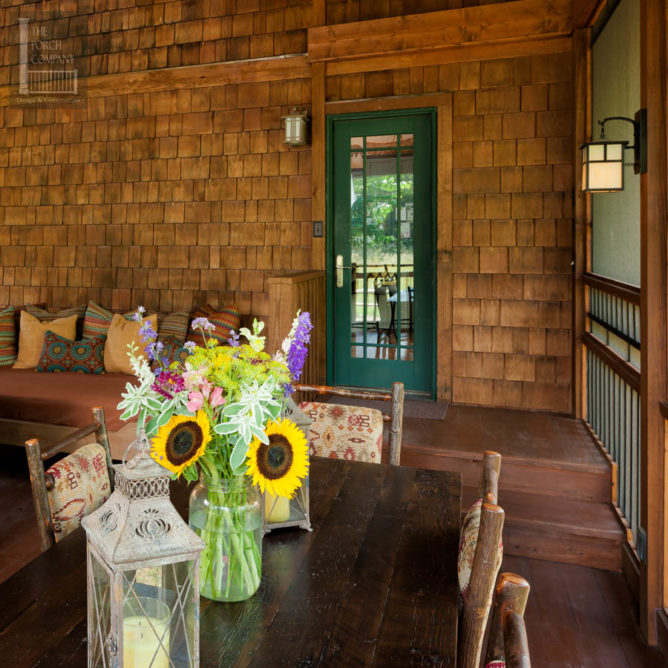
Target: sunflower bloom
[[278, 466], [181, 441]]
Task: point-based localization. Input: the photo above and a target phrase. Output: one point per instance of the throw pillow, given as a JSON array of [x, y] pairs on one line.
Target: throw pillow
[[223, 321], [97, 320], [7, 337], [48, 316], [85, 356], [121, 332], [32, 333], [174, 325], [173, 350]]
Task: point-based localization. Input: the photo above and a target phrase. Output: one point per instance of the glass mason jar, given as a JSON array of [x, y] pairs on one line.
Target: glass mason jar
[[227, 515]]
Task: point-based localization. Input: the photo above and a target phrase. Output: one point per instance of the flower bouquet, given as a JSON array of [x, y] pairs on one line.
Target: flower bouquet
[[216, 417]]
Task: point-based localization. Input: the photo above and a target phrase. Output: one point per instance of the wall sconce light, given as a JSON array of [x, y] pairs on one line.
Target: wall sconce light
[[295, 126], [603, 161]]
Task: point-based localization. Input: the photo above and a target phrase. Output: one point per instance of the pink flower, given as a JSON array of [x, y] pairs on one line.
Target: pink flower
[[195, 401], [216, 398]]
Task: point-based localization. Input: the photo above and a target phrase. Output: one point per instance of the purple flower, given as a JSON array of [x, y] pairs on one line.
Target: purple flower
[[190, 346], [139, 313], [203, 323], [233, 340], [153, 349], [147, 333], [297, 352], [168, 383]]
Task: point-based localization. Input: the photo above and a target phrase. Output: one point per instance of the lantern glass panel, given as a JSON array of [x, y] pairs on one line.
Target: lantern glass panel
[[605, 176], [159, 608], [596, 151], [614, 152], [99, 611]]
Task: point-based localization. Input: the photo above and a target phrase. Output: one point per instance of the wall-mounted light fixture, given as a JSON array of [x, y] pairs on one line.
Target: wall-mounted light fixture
[[603, 161], [295, 125]]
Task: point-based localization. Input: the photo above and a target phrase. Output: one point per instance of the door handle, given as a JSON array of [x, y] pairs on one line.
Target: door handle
[[339, 271]]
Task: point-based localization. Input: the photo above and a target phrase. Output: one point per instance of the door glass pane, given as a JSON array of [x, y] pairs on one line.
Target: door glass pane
[[381, 168]]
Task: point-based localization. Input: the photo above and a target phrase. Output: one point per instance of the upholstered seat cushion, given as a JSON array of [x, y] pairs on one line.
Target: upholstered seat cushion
[[344, 432], [81, 485]]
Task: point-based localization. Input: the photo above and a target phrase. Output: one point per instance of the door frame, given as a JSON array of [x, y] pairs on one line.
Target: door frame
[[330, 120]]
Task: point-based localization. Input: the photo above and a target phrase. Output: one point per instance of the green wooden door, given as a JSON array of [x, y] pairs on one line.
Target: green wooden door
[[381, 244]]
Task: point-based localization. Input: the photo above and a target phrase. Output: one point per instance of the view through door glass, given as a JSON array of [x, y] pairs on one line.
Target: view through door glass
[[383, 284]]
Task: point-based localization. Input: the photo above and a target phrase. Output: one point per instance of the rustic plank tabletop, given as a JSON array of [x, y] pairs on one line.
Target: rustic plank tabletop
[[375, 583]]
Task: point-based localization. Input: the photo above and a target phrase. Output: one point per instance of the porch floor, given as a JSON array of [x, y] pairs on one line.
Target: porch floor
[[576, 616]]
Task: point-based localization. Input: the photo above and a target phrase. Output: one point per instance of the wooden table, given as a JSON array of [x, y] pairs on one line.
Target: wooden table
[[375, 583]]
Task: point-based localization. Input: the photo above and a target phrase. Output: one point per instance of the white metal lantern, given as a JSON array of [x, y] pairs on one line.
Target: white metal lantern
[[296, 127], [143, 573], [279, 511], [603, 166]]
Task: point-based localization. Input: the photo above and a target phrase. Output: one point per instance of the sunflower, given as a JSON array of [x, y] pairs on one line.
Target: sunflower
[[278, 466], [181, 441]]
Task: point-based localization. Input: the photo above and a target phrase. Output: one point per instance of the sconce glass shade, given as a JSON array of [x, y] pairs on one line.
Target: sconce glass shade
[[296, 128], [603, 166]]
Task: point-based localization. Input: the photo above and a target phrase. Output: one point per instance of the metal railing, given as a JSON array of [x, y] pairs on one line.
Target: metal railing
[[612, 342]]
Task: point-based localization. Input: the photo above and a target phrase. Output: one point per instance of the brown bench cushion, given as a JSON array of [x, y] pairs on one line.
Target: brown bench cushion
[[61, 398]]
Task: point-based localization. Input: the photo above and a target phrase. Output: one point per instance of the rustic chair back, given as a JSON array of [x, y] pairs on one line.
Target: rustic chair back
[[480, 555], [507, 644], [75, 485], [370, 420]]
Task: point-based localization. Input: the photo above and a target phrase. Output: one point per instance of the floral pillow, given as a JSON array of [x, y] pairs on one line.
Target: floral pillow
[[172, 350], [61, 354], [223, 322]]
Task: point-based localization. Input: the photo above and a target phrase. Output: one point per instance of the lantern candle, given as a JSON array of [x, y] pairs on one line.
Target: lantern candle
[[276, 508], [146, 636]]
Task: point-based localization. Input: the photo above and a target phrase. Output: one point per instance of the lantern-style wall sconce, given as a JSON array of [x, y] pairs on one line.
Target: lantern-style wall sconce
[[603, 161], [295, 126], [142, 573], [279, 511]]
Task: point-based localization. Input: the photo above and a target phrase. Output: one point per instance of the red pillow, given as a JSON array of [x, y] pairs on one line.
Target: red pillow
[[223, 321]]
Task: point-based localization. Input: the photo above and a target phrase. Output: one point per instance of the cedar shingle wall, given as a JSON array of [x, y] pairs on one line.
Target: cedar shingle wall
[[145, 199], [512, 222]]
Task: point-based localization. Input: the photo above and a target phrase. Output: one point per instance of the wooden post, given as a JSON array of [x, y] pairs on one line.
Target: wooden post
[[489, 478], [396, 423], [581, 127], [39, 494], [478, 597], [653, 309]]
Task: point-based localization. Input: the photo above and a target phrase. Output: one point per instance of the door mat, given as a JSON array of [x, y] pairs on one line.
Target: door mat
[[413, 408]]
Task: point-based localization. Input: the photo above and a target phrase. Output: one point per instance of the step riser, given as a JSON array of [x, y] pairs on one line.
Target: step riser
[[562, 547], [515, 476]]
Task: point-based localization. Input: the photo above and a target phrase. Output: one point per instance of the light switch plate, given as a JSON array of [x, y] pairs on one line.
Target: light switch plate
[[317, 228]]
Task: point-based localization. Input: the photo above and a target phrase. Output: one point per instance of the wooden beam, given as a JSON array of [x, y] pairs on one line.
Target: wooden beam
[[389, 103], [444, 251], [487, 24], [585, 12], [580, 135], [654, 316], [451, 54], [318, 161], [624, 291], [192, 76]]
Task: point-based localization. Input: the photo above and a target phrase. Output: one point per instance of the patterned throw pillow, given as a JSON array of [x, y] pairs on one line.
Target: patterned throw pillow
[[173, 350], [344, 432], [497, 663], [81, 486], [97, 320], [174, 325], [32, 334], [7, 337], [224, 322], [60, 354]]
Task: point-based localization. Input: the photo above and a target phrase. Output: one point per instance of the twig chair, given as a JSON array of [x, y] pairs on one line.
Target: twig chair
[[333, 420], [479, 561], [74, 486], [507, 645]]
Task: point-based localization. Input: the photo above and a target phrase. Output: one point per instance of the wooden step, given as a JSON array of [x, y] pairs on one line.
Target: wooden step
[[590, 482], [565, 530]]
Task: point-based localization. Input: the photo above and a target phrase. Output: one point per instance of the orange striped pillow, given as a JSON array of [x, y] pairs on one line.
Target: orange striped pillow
[[7, 337], [223, 321]]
